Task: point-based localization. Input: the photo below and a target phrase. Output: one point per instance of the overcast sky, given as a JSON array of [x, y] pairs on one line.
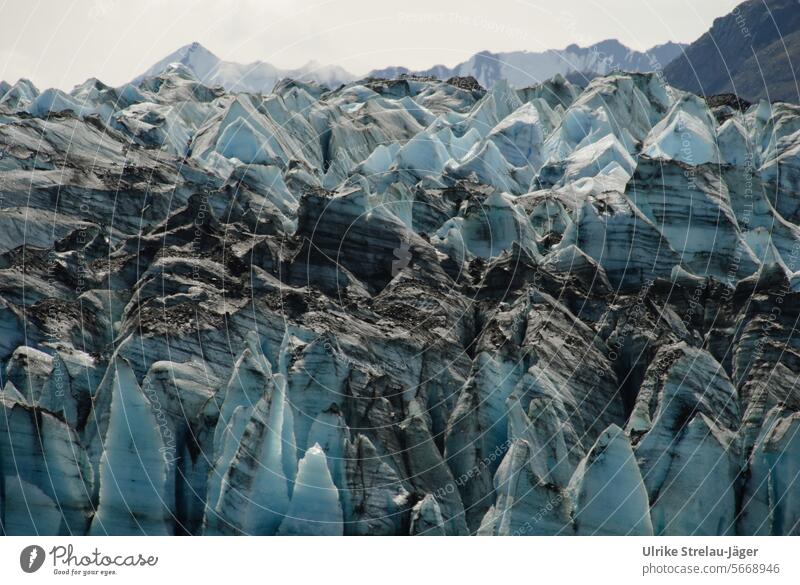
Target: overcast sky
[[60, 43]]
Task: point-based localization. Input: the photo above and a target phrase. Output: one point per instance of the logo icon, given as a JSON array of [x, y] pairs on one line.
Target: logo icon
[[31, 558]]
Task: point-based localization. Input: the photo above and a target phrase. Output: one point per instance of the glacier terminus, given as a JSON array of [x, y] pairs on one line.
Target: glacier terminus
[[406, 306]]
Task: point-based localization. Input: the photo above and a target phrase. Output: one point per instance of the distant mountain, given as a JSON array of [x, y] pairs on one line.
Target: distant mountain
[[520, 68], [254, 77], [524, 68], [752, 52]]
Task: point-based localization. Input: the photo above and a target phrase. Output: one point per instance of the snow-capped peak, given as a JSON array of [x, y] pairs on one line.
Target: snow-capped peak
[[256, 77]]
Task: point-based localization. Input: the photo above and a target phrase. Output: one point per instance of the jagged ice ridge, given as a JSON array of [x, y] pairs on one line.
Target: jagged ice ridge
[[402, 306]]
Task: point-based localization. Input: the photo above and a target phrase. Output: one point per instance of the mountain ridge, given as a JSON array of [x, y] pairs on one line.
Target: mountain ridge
[[525, 68], [521, 68], [748, 52], [257, 76]]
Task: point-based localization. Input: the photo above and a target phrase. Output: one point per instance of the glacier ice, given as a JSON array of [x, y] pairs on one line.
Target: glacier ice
[[315, 509], [399, 306], [133, 468], [607, 489]]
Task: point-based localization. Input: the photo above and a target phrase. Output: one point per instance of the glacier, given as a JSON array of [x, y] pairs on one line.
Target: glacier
[[401, 306]]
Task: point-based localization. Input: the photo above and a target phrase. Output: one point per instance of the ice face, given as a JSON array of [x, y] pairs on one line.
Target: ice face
[[603, 507], [315, 509], [133, 468], [697, 395], [682, 137], [398, 306]]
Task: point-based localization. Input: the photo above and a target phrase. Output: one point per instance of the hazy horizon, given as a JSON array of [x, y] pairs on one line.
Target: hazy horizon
[[115, 41]]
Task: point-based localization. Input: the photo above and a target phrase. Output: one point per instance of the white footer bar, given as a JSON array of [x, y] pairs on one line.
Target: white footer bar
[[388, 561]]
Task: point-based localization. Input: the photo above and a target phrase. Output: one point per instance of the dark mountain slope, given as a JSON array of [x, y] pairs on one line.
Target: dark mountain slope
[[754, 52]]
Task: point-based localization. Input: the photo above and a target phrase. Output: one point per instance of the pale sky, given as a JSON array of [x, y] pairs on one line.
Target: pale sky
[[60, 43]]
